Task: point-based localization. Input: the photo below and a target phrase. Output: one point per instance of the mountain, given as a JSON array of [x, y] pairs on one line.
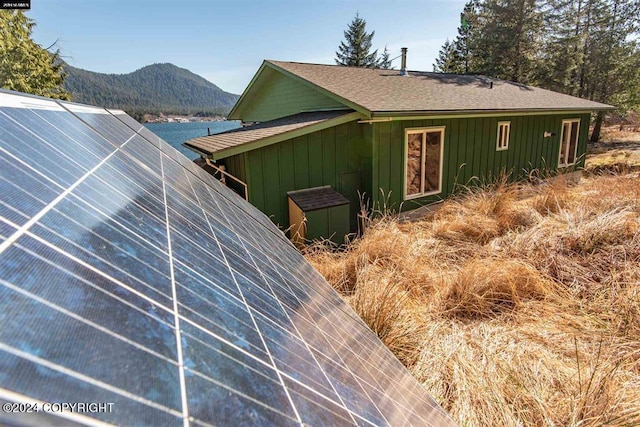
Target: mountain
[[154, 89]]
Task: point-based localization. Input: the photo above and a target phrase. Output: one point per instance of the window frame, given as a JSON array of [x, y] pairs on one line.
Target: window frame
[[423, 130], [575, 153], [507, 124]]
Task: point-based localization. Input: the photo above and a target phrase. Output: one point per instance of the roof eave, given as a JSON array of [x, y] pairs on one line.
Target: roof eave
[[195, 149], [274, 139]]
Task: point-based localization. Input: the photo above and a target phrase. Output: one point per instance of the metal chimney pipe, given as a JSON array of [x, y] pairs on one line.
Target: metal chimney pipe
[[403, 66]]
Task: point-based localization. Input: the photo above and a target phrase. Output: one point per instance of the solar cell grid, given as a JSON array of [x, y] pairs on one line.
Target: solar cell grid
[[103, 123], [58, 167], [24, 193], [76, 130], [152, 286], [87, 152], [134, 125]]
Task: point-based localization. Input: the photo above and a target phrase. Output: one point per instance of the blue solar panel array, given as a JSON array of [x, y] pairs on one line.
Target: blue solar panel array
[[130, 277]]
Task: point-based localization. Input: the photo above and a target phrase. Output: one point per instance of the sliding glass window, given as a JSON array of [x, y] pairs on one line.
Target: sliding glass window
[[423, 161], [568, 142]]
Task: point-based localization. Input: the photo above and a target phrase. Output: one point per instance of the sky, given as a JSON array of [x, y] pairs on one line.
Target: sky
[[226, 41]]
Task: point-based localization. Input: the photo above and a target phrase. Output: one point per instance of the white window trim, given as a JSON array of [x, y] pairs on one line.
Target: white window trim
[[506, 145], [575, 154], [424, 130]]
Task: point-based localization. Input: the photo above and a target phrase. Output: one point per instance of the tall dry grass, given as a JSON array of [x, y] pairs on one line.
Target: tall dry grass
[[513, 304]]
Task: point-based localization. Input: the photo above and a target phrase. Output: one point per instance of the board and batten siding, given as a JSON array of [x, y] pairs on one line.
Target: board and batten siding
[[281, 96], [235, 165], [338, 156], [470, 156]]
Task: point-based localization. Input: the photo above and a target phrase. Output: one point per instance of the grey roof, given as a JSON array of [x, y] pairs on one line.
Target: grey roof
[[378, 90], [374, 91], [313, 199], [261, 131]]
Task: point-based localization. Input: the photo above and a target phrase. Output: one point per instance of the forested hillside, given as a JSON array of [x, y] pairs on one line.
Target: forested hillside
[[154, 89]]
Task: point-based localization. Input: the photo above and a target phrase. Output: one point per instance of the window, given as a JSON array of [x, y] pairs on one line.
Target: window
[[568, 142], [423, 166], [504, 128]]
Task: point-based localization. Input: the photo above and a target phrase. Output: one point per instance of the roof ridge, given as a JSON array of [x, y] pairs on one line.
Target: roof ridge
[[275, 61], [371, 90], [495, 79]]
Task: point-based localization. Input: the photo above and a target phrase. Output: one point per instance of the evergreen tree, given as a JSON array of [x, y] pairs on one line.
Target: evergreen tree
[[613, 55], [356, 51], [384, 61], [465, 39], [457, 56], [570, 45], [24, 65], [508, 37], [563, 49], [585, 48], [447, 60], [591, 52]]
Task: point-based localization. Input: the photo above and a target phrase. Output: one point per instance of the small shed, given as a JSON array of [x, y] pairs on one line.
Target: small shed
[[316, 214]]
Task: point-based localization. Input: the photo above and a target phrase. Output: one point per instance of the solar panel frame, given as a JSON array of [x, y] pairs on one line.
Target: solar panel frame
[[206, 290]]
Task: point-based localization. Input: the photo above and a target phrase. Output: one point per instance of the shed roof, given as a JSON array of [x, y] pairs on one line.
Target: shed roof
[[313, 199], [266, 133], [388, 92]]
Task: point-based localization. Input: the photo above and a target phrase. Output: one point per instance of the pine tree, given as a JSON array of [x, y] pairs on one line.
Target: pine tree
[[447, 60], [356, 51], [24, 65], [508, 37], [384, 61], [570, 45], [465, 40], [457, 56], [613, 55], [585, 48], [563, 46], [591, 52]]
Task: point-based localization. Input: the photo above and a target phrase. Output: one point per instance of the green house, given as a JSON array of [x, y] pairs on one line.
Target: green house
[[391, 138]]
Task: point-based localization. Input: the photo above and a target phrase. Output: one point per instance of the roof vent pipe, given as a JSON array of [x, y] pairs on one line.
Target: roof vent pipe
[[403, 66]]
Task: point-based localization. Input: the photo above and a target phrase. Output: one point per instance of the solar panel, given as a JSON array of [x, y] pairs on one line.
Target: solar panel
[[133, 281]]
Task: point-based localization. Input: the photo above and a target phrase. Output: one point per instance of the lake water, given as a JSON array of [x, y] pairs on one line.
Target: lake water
[[177, 133]]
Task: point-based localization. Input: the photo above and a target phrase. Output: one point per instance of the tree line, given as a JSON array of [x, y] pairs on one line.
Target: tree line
[[585, 48]]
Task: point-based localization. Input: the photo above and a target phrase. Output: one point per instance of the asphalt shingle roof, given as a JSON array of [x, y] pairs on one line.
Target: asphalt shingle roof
[[259, 131], [313, 199], [379, 90], [387, 92]]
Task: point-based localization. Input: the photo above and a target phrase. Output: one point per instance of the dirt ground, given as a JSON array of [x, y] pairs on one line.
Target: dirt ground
[[618, 149]]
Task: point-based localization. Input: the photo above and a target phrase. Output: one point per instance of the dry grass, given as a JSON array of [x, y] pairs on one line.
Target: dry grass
[[615, 134], [513, 305], [619, 152]]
